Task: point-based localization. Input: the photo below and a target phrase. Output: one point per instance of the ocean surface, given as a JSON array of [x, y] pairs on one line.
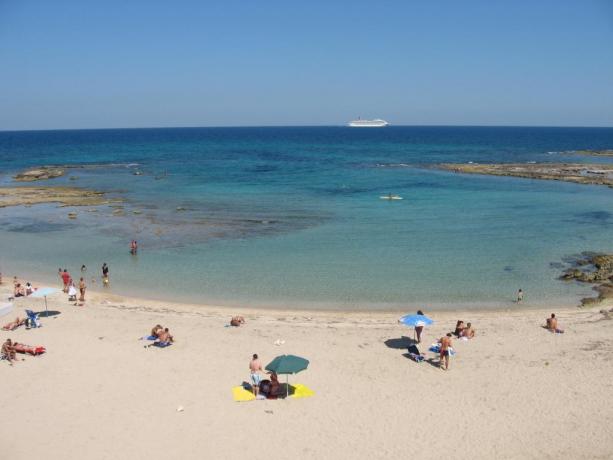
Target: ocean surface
[[291, 217]]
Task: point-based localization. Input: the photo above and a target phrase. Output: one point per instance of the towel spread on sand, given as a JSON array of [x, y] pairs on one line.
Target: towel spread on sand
[[301, 391], [436, 348], [240, 394]]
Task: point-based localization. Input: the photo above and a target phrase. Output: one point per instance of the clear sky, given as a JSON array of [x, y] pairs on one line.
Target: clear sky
[[97, 64]]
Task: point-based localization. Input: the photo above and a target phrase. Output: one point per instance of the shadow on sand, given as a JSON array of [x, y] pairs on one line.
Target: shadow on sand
[[401, 343]]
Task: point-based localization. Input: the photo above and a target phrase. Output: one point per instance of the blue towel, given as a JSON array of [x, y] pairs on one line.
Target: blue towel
[[162, 344]]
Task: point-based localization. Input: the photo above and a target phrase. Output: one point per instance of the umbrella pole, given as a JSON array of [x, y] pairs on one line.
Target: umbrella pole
[[46, 311], [286, 386]]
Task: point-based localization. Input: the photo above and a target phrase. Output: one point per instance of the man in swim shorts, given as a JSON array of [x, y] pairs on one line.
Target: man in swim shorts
[[445, 350], [8, 351], [255, 367], [468, 331]]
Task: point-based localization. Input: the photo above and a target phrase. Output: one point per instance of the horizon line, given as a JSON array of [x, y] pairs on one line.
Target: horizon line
[[303, 126]]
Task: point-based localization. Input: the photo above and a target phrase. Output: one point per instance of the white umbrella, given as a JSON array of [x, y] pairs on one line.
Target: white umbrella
[[44, 292]]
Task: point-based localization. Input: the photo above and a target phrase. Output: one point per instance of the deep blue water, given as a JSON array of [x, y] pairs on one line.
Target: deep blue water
[[292, 216]]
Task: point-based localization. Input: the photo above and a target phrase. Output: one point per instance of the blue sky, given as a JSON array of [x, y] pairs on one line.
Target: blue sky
[[80, 64]]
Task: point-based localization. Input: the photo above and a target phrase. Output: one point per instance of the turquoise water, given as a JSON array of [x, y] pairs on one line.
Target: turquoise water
[[291, 217]]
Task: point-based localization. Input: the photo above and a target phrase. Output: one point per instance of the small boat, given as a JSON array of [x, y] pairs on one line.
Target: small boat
[[390, 197]]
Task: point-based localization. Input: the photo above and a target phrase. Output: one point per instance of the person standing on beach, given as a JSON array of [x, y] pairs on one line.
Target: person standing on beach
[[59, 273], [445, 351], [419, 329], [82, 288], [520, 296], [66, 279], [255, 367], [105, 274]]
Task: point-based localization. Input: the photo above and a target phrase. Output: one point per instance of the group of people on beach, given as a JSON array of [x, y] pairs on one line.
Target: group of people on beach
[[20, 290], [160, 336], [270, 387], [70, 288], [10, 349]]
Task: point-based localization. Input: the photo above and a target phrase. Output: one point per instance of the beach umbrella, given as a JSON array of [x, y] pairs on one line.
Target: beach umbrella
[[43, 293], [287, 364], [416, 320]]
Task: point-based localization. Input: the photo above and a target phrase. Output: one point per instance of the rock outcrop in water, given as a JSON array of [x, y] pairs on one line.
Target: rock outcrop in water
[[593, 153], [42, 173], [579, 173], [66, 196], [596, 269]]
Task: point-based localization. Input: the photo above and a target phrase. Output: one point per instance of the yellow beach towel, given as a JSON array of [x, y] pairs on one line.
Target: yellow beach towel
[[301, 391], [240, 394]]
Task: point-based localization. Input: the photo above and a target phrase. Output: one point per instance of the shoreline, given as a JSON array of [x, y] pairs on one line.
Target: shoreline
[[106, 296]]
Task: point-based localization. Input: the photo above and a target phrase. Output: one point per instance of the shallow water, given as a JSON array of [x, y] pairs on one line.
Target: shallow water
[[292, 216]]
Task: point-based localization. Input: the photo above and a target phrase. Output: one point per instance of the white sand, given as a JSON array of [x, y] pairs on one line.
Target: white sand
[[516, 391]]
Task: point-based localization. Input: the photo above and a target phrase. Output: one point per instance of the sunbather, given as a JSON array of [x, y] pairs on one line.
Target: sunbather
[[237, 321], [468, 331], [552, 324], [459, 327], [19, 291], [34, 351], [14, 324], [8, 351], [275, 387], [165, 337], [155, 332]]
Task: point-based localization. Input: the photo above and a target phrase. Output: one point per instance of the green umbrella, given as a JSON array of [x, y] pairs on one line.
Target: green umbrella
[[287, 364]]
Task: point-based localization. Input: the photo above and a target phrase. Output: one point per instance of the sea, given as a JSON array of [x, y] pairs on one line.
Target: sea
[[292, 217]]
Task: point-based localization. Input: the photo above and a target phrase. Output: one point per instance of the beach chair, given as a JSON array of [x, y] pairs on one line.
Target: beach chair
[[33, 320], [415, 354]]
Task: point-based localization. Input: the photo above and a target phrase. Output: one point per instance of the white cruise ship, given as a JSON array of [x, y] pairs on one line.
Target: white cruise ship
[[376, 123]]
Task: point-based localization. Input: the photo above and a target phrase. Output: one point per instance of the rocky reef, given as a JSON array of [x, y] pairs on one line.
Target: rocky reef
[[65, 196], [579, 173], [41, 173], [595, 269], [594, 153]]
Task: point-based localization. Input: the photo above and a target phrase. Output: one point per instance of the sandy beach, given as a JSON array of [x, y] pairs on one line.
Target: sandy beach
[[515, 391]]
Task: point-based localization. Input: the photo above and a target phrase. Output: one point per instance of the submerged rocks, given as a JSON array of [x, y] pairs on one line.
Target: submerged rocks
[[579, 173], [595, 269], [65, 196], [42, 173]]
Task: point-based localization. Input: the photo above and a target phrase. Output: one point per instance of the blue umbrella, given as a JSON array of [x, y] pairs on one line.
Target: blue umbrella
[[416, 320], [44, 292]]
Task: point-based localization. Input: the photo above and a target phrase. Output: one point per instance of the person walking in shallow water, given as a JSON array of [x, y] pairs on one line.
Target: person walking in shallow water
[[105, 274], [82, 288], [520, 296]]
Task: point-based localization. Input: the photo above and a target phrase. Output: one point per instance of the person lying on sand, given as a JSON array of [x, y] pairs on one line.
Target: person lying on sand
[[14, 324], [459, 327], [164, 336], [468, 331], [155, 332], [552, 324], [8, 351], [237, 321], [444, 352], [34, 351]]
